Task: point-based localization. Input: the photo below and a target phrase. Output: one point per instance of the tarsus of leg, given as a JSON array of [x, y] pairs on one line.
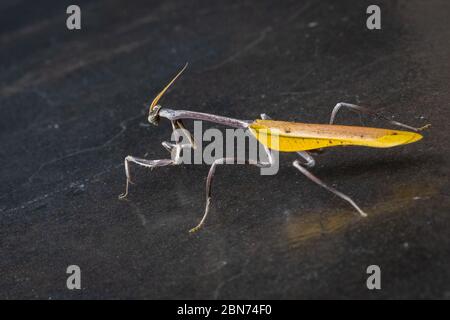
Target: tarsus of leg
[[127, 174], [210, 177], [365, 110], [312, 177]]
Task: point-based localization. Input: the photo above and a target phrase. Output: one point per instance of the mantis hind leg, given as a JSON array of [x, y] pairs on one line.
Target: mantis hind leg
[[365, 110], [310, 163]]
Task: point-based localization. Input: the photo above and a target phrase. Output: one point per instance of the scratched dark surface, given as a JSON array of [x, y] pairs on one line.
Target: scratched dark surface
[[72, 107]]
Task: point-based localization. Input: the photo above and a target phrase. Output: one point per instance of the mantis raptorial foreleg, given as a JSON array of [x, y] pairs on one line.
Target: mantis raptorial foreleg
[[365, 110], [310, 162]]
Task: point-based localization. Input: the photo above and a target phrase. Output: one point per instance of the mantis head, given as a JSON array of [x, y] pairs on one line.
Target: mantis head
[[154, 107]]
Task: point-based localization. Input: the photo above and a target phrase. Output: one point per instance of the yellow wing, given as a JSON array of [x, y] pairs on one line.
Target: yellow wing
[[292, 136]]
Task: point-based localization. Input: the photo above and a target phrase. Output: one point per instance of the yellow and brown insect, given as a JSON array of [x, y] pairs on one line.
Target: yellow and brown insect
[[282, 136]]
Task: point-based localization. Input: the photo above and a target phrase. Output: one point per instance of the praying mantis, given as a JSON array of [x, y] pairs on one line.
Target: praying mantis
[[293, 137]]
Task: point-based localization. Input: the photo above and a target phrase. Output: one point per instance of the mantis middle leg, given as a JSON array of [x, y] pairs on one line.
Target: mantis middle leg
[[209, 179]]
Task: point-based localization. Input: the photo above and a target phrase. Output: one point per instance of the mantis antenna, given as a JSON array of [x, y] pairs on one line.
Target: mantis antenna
[[155, 101]]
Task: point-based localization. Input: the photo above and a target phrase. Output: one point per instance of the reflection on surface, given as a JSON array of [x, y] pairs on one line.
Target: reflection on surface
[[306, 225]]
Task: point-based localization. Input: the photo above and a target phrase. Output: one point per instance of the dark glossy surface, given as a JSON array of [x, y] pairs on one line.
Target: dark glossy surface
[[72, 107]]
